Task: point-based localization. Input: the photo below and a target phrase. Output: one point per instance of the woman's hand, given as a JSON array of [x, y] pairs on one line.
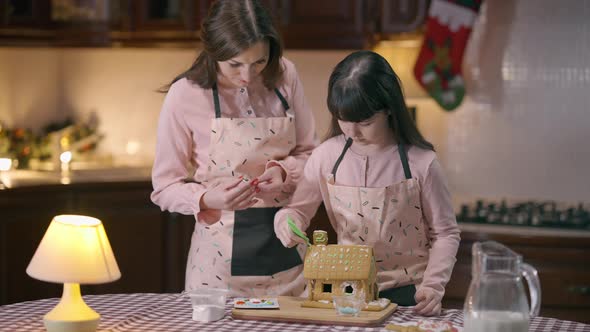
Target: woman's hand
[[229, 194], [427, 302], [271, 180]]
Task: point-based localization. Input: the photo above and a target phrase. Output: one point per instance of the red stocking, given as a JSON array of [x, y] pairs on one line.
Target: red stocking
[[438, 68]]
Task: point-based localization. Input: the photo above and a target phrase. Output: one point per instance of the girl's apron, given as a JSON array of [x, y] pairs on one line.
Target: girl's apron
[[241, 252], [390, 220]]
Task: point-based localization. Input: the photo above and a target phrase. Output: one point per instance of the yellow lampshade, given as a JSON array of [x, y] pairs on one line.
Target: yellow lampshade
[[74, 250]]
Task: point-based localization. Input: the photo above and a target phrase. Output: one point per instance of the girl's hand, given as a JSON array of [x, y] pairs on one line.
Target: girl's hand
[[286, 235], [427, 302], [229, 194], [271, 180]]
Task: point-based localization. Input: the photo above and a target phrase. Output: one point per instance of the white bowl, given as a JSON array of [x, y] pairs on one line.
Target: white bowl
[[348, 305]]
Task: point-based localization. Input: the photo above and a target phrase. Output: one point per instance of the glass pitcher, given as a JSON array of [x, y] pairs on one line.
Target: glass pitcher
[[496, 300]]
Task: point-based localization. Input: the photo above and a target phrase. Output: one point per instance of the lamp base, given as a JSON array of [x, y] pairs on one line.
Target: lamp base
[[71, 326], [71, 313]]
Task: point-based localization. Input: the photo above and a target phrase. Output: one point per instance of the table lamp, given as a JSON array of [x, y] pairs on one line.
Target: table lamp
[[74, 250]]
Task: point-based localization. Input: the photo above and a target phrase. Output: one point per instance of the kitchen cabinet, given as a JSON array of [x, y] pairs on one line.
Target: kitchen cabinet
[[304, 24], [151, 22], [54, 23], [25, 13], [144, 239], [24, 22], [338, 24], [345, 24], [100, 23], [397, 16], [166, 15]]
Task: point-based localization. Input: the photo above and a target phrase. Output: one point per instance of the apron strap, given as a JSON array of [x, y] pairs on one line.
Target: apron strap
[[402, 155], [346, 146], [283, 100], [216, 101], [218, 108], [404, 158]]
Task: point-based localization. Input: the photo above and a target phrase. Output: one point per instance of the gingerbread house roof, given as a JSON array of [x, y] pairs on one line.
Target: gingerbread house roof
[[338, 262]]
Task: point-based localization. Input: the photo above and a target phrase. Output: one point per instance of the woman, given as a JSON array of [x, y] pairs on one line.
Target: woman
[[381, 184], [237, 119]]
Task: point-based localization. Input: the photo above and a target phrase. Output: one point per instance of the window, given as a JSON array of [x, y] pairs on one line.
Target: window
[[327, 288]]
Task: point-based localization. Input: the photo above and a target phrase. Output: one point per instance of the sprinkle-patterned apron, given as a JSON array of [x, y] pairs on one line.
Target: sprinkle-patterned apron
[[241, 252], [389, 219]]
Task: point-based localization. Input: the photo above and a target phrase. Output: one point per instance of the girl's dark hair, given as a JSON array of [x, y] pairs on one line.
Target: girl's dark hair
[[364, 84], [231, 27]]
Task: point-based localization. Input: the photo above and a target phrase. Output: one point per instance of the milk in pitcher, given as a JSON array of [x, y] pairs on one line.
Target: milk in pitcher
[[496, 300], [496, 321]]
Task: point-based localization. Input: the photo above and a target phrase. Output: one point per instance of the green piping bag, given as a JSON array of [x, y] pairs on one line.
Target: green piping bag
[[293, 227]]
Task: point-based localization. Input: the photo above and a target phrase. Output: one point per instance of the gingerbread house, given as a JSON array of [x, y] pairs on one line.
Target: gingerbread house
[[339, 270]]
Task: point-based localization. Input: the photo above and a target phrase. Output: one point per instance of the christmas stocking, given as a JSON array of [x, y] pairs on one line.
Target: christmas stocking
[[438, 68]]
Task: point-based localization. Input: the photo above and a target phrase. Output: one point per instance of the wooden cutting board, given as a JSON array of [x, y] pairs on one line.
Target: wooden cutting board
[[291, 311]]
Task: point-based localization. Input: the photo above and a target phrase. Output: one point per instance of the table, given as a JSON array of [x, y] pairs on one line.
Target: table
[[173, 312]]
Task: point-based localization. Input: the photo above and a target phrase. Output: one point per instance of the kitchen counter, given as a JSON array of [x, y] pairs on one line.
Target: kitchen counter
[[536, 217], [26, 178], [526, 231], [150, 245]]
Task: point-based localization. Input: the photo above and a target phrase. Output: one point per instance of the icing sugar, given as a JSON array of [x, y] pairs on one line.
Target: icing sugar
[[207, 312]]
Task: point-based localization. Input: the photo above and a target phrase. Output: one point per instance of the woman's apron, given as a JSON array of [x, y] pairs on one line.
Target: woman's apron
[[390, 220], [241, 252]]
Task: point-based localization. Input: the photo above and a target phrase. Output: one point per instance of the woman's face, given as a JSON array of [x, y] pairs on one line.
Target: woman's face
[[240, 70], [373, 131]]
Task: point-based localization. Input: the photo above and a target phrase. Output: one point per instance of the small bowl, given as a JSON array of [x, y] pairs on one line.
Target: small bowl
[[208, 303], [348, 305]]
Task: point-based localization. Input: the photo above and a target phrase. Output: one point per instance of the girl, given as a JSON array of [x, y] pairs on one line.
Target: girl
[[233, 136], [381, 184]]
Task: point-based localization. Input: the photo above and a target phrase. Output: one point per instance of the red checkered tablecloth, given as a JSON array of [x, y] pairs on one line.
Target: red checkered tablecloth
[[173, 312]]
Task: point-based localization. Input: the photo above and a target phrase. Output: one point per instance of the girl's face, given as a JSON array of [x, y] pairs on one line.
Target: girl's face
[[373, 131], [239, 71]]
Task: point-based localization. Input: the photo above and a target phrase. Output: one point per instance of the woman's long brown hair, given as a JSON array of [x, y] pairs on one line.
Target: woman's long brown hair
[[231, 27]]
